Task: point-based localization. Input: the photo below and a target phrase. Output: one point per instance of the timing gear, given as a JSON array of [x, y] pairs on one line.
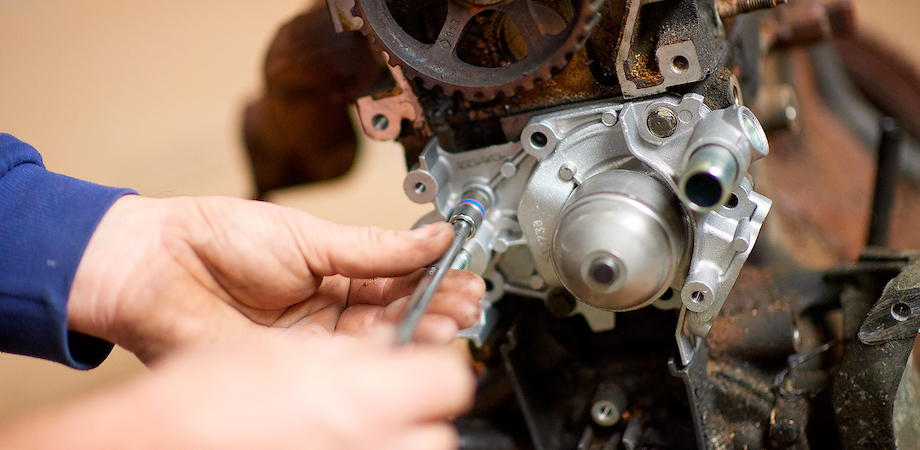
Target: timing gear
[[441, 42]]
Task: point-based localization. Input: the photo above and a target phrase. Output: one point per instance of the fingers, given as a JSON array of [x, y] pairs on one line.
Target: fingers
[[435, 436], [435, 329], [366, 252], [447, 313], [461, 308], [427, 383], [431, 329], [382, 291], [275, 392]]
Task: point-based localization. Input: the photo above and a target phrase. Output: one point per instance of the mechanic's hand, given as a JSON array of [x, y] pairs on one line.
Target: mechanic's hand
[[159, 274], [270, 392]]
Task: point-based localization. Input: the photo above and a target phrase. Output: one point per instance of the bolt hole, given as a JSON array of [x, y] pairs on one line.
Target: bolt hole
[[538, 140], [900, 311], [380, 122], [732, 202], [697, 297], [420, 188], [489, 285], [680, 63]]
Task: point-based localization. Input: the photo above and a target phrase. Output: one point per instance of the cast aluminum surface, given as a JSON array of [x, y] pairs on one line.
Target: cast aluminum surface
[[533, 178]]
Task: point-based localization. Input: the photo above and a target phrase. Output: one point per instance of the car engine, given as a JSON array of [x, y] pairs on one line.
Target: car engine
[[605, 154]]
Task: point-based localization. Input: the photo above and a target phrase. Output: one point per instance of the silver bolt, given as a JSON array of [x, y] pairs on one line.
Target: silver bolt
[[609, 118], [508, 169], [567, 171], [662, 122]]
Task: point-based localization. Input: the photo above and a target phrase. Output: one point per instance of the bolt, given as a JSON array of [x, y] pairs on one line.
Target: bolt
[[567, 171], [609, 118], [729, 8], [508, 169], [662, 122], [380, 122]]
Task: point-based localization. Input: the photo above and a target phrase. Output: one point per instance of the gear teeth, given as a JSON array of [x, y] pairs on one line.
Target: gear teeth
[[484, 96], [528, 83], [589, 16]]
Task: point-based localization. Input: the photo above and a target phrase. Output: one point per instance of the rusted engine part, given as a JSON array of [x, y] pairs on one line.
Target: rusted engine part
[[666, 43], [552, 383], [865, 384], [804, 22], [891, 85], [779, 418], [754, 382], [803, 391], [782, 368], [462, 124], [299, 131], [482, 48], [822, 179]]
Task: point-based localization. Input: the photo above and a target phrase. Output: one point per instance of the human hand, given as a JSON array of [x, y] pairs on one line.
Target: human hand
[[160, 274], [270, 392]]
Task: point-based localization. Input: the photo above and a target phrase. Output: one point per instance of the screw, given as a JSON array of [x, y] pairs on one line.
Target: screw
[[734, 7], [380, 122], [662, 122]]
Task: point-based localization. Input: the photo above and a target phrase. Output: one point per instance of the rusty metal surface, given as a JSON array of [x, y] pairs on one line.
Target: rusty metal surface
[[299, 131], [821, 181], [435, 55], [885, 78]]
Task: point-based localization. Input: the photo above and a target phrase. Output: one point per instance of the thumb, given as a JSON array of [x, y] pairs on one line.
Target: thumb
[[366, 252]]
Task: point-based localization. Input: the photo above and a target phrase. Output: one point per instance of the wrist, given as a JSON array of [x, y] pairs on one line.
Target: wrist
[[112, 260]]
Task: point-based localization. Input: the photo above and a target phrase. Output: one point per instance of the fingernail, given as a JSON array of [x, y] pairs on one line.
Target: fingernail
[[474, 313], [430, 230]]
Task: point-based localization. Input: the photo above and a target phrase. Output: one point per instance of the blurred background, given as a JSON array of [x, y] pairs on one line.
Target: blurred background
[[150, 95]]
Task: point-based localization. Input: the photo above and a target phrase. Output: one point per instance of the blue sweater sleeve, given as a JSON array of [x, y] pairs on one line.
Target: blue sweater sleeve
[[46, 220]]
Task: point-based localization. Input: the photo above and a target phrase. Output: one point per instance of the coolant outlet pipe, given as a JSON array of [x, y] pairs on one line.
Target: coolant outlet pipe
[[721, 150]]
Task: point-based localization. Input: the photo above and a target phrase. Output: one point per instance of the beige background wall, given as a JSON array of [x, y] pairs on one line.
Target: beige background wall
[[148, 94]]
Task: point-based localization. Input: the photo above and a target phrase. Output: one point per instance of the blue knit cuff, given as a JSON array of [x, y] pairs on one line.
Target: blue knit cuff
[[46, 220]]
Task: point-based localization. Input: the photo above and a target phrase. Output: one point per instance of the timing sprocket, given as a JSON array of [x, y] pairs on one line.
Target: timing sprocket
[[482, 47]]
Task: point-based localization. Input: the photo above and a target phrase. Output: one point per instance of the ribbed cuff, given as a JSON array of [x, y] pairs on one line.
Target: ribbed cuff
[[46, 221]]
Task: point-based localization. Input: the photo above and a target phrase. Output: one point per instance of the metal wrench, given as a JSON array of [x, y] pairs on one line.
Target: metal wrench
[[430, 283]]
